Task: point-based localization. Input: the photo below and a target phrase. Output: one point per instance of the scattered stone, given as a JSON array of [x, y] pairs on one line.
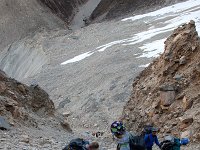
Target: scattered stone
[[22, 88], [4, 124], [66, 114], [74, 37], [95, 125], [167, 98], [197, 136], [178, 77], [188, 120], [198, 67], [66, 125], [86, 125], [11, 121], [186, 133], [155, 118], [164, 107], [167, 88], [194, 48], [16, 112], [183, 126], [182, 60], [2, 87], [10, 92], [25, 139], [187, 104]]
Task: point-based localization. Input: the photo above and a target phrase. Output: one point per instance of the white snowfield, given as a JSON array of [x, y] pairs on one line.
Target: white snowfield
[[179, 13]]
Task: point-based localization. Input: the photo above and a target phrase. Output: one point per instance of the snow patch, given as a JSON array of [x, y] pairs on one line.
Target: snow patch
[[167, 10], [144, 66], [182, 13], [78, 58], [153, 49]]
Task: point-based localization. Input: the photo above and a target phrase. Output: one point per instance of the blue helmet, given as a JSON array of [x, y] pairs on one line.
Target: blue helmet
[[117, 128]]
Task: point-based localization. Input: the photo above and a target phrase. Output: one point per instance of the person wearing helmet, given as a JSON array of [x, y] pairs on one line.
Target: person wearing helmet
[[151, 138], [120, 135]]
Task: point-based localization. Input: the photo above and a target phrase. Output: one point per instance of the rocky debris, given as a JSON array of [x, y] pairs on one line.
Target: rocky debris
[[2, 87], [187, 134], [25, 139], [65, 124], [187, 104], [18, 102], [18, 138], [66, 114], [182, 60], [167, 98], [173, 83]]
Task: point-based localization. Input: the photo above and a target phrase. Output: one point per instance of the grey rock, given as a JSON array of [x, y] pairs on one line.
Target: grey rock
[[178, 77], [182, 60], [167, 97], [167, 88], [4, 124]]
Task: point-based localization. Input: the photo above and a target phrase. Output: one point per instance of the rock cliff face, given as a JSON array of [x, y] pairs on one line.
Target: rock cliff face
[[19, 103], [109, 9], [21, 18], [65, 9], [166, 93], [21, 21]]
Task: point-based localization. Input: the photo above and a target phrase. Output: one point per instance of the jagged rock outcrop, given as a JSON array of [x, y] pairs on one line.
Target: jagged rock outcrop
[[65, 9], [167, 93], [19, 102]]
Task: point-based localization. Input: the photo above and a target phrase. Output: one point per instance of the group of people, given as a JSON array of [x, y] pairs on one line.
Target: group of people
[[127, 141]]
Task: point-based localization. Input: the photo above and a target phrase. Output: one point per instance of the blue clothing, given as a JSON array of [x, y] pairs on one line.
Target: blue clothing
[[149, 140]]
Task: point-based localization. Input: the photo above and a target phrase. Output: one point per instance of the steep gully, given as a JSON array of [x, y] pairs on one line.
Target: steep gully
[[95, 81], [89, 88]]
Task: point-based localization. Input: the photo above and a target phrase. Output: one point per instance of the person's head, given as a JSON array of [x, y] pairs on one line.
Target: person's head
[[117, 128], [154, 131], [93, 146]]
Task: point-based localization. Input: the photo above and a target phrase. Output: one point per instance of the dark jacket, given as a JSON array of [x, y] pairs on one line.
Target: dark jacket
[[150, 140], [77, 144]]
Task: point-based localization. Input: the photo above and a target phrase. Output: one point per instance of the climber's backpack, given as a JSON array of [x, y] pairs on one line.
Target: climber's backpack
[[77, 144], [171, 145], [136, 142]]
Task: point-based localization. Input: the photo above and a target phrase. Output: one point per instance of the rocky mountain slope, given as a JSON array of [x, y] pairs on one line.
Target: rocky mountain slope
[[19, 101], [64, 9], [166, 93], [87, 72], [28, 119], [21, 18], [109, 9]]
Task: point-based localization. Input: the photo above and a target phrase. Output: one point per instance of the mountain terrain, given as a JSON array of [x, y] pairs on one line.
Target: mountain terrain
[[71, 65]]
